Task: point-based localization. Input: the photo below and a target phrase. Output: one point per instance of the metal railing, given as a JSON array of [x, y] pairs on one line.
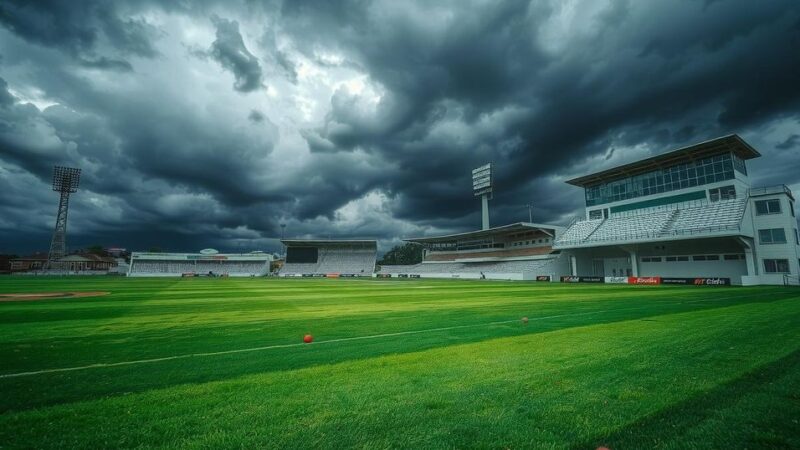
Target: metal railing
[[791, 280], [776, 189]]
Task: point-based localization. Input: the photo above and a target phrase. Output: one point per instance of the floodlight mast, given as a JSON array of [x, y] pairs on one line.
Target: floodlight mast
[[65, 182], [482, 187]]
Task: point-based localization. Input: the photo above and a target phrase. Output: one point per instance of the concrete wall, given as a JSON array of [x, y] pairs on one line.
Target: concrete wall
[[790, 250]]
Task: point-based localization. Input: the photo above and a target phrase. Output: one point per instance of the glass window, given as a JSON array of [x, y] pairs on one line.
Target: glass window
[[776, 265], [699, 258], [683, 258], [712, 258], [733, 257], [595, 214], [772, 236], [696, 173], [791, 208], [671, 259], [772, 206]]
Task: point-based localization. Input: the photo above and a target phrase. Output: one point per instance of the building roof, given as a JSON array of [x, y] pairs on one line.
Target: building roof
[[34, 257], [732, 143], [504, 229], [314, 242]]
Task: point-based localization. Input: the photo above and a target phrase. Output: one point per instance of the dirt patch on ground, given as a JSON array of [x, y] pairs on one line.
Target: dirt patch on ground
[[31, 297]]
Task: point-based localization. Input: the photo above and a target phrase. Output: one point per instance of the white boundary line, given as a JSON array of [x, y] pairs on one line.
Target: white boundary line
[[331, 341]]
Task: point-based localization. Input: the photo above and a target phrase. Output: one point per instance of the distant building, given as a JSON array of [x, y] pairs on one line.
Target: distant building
[[205, 262], [87, 262], [5, 264], [28, 263]]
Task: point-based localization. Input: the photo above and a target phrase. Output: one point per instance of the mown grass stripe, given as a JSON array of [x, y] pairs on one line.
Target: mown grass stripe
[[330, 341]]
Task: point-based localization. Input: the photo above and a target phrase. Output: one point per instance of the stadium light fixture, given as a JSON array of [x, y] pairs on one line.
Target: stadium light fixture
[[65, 182], [482, 187]]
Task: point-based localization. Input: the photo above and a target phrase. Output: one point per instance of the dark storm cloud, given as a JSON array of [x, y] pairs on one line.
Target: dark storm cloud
[[5, 97], [380, 109], [256, 116], [732, 63], [229, 50], [790, 142], [80, 28]]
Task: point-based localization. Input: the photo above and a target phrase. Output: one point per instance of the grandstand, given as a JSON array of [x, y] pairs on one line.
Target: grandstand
[[206, 262], [520, 251], [689, 213], [346, 258]]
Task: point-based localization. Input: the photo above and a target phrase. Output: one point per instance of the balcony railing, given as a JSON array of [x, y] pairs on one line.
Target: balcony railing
[[777, 189]]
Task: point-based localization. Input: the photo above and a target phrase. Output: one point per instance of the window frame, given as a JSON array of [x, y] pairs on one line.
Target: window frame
[[775, 262], [766, 203], [771, 232]]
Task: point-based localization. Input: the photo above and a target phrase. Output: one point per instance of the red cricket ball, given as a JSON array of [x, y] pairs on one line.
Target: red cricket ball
[[308, 338]]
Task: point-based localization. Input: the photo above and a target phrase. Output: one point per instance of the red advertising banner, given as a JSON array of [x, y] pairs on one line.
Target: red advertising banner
[[644, 280]]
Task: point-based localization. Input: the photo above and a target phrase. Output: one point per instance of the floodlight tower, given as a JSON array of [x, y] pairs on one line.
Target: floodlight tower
[[482, 187], [65, 182]]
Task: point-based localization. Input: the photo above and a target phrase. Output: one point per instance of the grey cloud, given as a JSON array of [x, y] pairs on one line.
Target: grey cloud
[[5, 97], [256, 116], [541, 94], [229, 50], [82, 29], [790, 142]]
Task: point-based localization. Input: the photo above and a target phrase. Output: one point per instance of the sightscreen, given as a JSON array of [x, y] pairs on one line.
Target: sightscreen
[[301, 255]]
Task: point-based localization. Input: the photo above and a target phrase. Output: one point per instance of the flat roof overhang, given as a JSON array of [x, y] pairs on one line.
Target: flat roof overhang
[[731, 143], [505, 229], [674, 237], [313, 242]]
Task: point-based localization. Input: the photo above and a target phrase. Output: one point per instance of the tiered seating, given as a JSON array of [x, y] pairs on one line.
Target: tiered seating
[[628, 227], [705, 218], [176, 268], [299, 268], [341, 260], [713, 216], [232, 267], [579, 231], [162, 267], [487, 267]]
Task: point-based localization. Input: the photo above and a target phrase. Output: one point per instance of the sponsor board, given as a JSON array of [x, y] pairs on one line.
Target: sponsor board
[[318, 275], [347, 275], [542, 277], [616, 280], [683, 281], [644, 280], [699, 281], [712, 281], [188, 274], [384, 275], [331, 275], [307, 275], [571, 279], [414, 275], [402, 275]]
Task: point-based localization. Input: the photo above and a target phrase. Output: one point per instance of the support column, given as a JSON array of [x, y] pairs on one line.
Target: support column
[[749, 256], [573, 265], [485, 212], [634, 255]]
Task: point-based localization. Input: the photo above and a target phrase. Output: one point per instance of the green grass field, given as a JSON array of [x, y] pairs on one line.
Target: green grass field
[[403, 364]]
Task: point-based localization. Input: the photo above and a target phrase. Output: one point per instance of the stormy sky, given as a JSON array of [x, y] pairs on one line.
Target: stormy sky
[[210, 123]]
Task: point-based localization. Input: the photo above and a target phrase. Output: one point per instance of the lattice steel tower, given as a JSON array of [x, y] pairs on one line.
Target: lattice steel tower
[[65, 182]]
